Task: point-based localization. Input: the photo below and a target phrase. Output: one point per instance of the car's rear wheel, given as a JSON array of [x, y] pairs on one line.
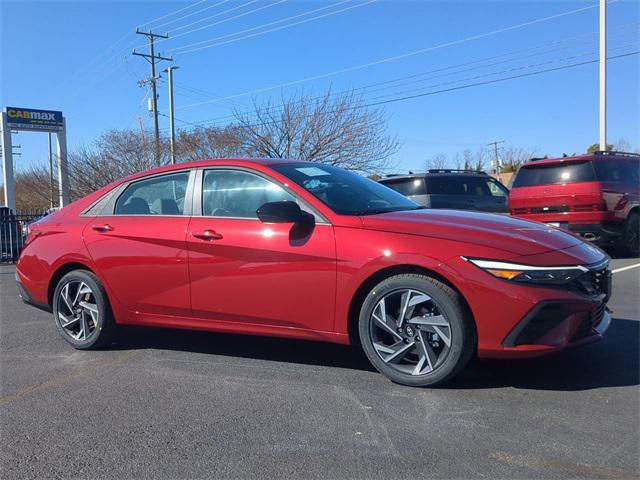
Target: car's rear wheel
[[81, 311], [416, 330], [630, 236]]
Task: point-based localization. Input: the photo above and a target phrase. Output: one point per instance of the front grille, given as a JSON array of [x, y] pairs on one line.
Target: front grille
[[595, 282], [591, 322]]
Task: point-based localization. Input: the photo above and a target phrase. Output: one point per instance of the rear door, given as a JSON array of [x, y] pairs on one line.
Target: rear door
[[244, 271], [138, 244]]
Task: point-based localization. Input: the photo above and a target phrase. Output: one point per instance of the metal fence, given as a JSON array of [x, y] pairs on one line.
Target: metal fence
[[13, 232]]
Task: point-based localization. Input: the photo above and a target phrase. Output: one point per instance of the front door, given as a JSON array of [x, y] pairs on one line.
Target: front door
[[243, 270]]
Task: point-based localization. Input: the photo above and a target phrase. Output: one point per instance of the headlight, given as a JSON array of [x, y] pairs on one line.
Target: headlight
[[529, 273]]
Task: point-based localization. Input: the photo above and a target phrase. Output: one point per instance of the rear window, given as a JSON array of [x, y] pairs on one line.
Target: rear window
[[573, 172], [407, 186], [465, 185], [627, 171]]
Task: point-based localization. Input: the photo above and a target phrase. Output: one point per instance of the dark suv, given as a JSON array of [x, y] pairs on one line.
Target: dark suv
[[455, 189]]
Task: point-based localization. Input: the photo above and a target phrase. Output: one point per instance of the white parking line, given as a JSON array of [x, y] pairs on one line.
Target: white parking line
[[628, 267]]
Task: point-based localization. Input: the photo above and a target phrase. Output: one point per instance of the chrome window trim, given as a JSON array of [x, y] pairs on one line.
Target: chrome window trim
[[114, 192], [197, 195]]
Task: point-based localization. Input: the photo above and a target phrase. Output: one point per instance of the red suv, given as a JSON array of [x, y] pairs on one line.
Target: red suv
[[594, 196], [310, 251]]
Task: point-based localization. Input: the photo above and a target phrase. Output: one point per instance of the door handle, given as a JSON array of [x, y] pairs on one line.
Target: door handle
[[103, 228], [207, 235]]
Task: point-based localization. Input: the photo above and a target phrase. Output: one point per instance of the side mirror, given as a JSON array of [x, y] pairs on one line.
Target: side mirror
[[284, 211]]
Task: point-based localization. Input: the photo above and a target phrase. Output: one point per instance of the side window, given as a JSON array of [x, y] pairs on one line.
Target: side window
[[162, 195], [234, 193], [496, 189]]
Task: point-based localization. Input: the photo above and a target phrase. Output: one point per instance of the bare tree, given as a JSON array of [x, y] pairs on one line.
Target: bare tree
[[114, 155], [436, 162], [211, 142], [32, 190], [513, 157], [332, 129]]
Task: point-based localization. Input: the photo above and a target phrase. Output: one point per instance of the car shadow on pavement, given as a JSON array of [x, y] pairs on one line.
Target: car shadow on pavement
[[613, 362], [245, 346]]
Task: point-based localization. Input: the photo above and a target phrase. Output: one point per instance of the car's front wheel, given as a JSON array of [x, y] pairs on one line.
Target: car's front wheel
[[81, 311], [416, 330]]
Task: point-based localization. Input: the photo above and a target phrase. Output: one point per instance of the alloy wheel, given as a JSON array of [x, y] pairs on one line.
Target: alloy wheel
[[409, 332], [77, 310]]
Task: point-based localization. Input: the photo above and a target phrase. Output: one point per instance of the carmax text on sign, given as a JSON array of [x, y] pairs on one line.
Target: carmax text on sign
[[32, 119]]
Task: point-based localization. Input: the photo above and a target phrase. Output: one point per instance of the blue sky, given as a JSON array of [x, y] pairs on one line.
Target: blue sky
[[74, 56]]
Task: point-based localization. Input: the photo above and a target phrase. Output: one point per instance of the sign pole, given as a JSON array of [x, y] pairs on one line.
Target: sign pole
[[51, 202], [603, 75], [7, 163], [63, 170]]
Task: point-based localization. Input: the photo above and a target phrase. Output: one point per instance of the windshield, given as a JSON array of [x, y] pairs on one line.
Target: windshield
[[556, 173], [344, 192]]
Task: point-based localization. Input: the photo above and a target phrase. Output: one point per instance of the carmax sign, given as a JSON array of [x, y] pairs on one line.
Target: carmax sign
[[30, 119]]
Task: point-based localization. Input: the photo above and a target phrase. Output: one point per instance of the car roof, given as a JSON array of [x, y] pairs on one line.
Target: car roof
[[597, 156], [231, 162], [443, 173]]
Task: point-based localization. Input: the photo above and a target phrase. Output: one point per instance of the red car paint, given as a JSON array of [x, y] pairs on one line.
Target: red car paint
[[163, 271], [591, 205]]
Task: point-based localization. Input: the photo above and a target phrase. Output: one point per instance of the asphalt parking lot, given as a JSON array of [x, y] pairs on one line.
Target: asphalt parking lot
[[176, 404]]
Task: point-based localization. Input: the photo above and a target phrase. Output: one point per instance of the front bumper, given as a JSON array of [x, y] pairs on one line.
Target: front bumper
[[519, 321], [563, 326]]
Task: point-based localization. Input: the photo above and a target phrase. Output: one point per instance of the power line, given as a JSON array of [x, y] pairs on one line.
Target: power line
[[535, 49], [223, 20], [191, 14], [351, 91], [232, 9], [260, 26], [400, 56], [488, 82], [276, 109], [172, 13], [249, 12], [522, 67], [462, 87], [275, 29]]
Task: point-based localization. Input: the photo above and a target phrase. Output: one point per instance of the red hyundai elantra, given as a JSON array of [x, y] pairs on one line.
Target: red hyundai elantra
[[310, 251]]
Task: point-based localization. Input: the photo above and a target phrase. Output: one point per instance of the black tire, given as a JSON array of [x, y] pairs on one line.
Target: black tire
[[103, 329], [449, 304], [629, 241]]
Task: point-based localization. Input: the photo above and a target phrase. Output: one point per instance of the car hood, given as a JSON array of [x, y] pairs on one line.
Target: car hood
[[519, 237]]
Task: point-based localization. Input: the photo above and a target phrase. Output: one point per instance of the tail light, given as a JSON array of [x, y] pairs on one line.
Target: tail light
[[592, 207]]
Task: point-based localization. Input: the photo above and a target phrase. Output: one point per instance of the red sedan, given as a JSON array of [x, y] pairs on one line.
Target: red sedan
[[309, 251]]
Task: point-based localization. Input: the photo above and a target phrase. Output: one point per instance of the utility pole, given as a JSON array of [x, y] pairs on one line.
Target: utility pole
[[50, 172], [495, 154], [603, 75], [144, 141], [152, 58], [172, 139]]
